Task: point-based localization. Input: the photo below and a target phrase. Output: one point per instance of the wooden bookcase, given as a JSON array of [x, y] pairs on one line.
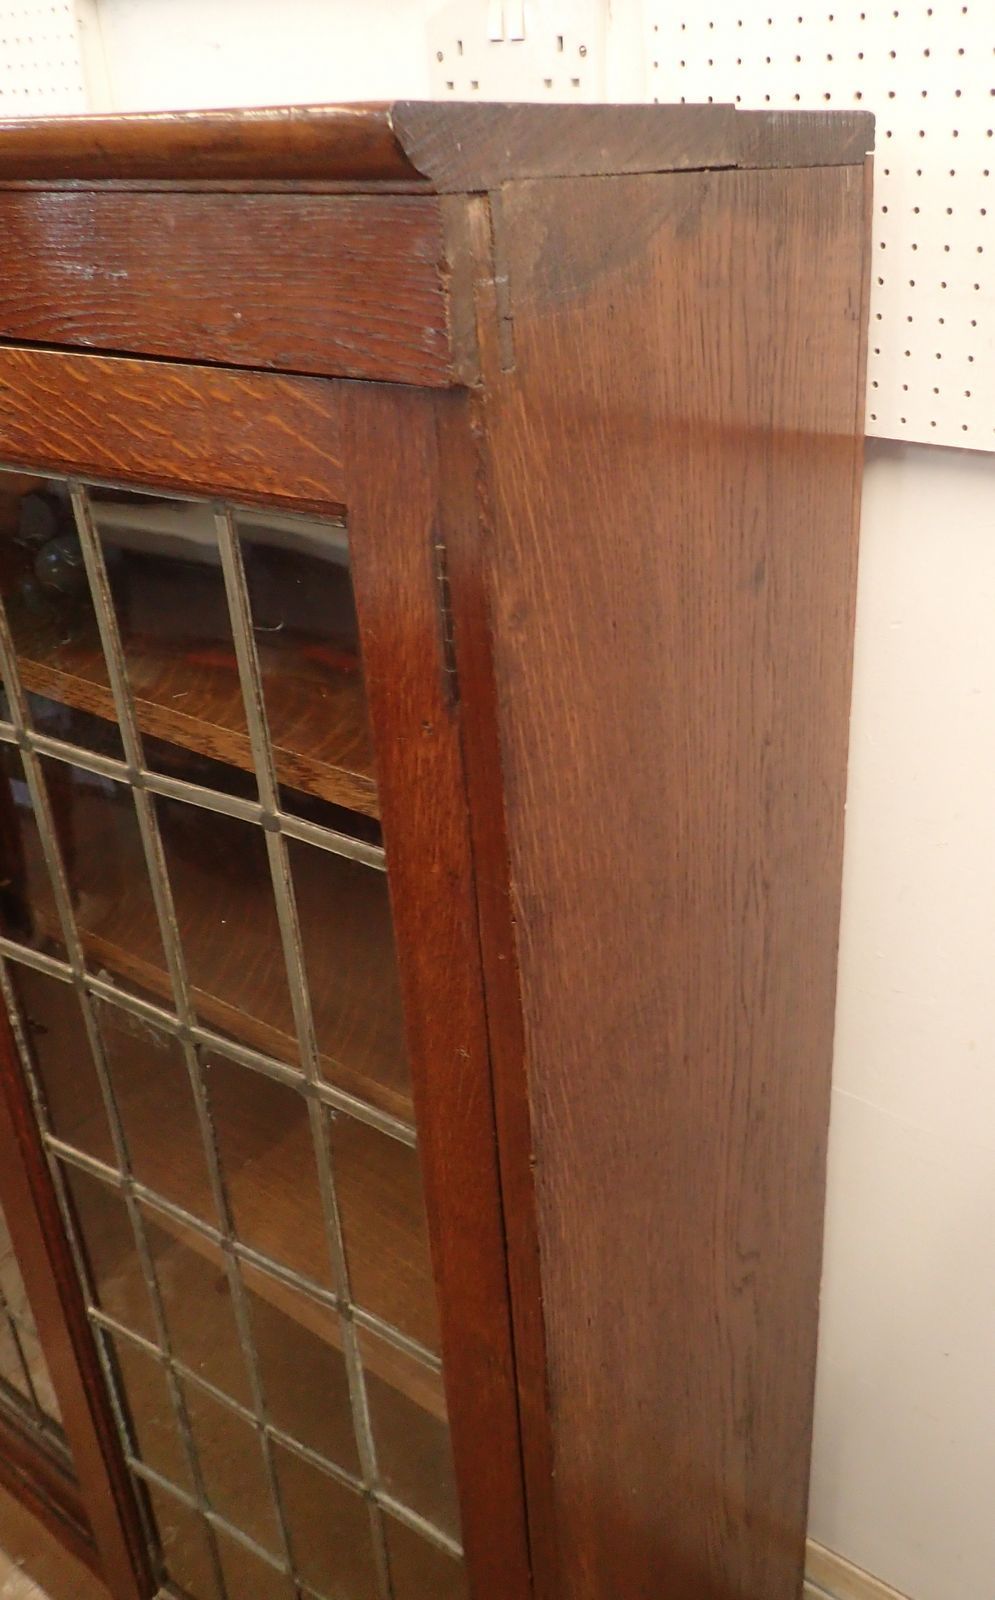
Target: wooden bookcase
[[427, 552]]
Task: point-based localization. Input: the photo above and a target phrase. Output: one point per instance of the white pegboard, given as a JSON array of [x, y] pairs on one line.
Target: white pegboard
[[928, 73], [519, 50], [41, 60]]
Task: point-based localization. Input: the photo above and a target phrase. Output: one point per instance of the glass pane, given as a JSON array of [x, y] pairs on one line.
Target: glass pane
[[51, 614], [248, 1576], [237, 1272], [420, 1570], [152, 1093], [231, 1463], [164, 570], [378, 1182], [13, 1371], [347, 934], [24, 1374], [329, 1527], [307, 638], [184, 1544], [27, 904], [104, 862], [144, 1393], [53, 1024], [73, 726], [410, 1431], [41, 1378], [267, 1158], [197, 1305], [222, 890], [108, 1244], [302, 1368]]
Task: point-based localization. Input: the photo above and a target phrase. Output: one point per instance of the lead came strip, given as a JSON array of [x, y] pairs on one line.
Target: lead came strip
[[283, 890], [193, 1040], [169, 933], [63, 899]]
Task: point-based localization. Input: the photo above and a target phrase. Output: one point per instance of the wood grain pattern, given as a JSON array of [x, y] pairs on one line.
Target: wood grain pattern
[[46, 1263], [262, 438], [674, 564], [348, 141], [471, 146], [393, 528], [468, 528], [325, 745], [614, 833], [457, 146], [300, 283]]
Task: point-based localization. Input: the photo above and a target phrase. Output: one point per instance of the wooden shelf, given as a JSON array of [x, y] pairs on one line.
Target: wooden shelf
[[268, 1166], [317, 711], [229, 932]]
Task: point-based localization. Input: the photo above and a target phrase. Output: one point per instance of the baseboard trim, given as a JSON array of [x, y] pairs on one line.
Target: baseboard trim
[[829, 1577]]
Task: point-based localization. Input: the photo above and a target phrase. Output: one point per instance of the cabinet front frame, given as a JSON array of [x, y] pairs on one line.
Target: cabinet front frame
[[370, 451]]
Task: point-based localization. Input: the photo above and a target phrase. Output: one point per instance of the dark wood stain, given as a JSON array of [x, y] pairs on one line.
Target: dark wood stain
[[322, 283], [603, 535], [426, 831], [674, 564], [457, 146]]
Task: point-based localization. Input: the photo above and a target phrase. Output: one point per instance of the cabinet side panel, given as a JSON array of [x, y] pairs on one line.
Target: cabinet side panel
[[673, 466]]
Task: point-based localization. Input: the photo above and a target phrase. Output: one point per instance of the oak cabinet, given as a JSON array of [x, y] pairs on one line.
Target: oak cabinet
[[427, 550]]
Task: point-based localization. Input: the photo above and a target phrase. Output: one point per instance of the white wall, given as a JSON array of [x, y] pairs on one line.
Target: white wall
[[904, 1470], [163, 54]]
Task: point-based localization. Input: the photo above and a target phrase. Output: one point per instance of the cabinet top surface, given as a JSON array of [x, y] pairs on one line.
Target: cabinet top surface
[[446, 147]]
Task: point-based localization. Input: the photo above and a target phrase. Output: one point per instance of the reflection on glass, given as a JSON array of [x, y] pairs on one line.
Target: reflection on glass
[[184, 1545], [329, 1529], [51, 615], [382, 1207]]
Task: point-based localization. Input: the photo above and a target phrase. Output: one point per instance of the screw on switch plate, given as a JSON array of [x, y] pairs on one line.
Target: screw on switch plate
[[519, 50]]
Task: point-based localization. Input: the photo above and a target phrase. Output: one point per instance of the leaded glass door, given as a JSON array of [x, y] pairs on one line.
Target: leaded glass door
[[200, 962]]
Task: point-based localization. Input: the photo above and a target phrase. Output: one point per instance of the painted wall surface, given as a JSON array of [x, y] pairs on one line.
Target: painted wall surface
[[904, 1469]]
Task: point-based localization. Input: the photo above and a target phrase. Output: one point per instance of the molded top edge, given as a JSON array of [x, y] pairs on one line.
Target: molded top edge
[[447, 146]]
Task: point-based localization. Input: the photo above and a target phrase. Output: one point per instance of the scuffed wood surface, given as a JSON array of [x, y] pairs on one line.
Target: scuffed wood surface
[[451, 146], [673, 462], [339, 284]]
